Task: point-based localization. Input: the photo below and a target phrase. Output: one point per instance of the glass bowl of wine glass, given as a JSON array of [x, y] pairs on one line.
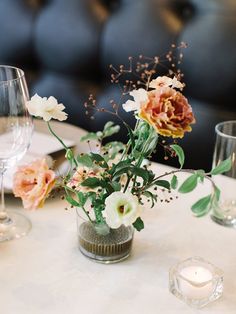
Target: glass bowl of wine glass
[[16, 128]]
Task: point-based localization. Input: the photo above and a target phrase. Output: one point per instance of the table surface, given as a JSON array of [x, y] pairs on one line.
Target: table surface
[[44, 272]]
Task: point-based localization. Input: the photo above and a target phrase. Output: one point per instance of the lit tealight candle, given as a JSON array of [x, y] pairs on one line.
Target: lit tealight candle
[[196, 282]]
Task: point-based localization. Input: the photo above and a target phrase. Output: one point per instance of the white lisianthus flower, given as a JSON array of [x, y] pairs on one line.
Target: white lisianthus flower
[[121, 208], [46, 108], [140, 97]]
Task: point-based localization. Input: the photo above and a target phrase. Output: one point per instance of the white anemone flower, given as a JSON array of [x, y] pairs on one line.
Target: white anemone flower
[[121, 208], [140, 97], [46, 108]]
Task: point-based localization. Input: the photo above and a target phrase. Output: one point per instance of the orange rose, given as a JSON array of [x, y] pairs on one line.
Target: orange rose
[[33, 183], [168, 111]]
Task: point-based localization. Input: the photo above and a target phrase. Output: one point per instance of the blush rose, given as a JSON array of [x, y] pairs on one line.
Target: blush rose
[[33, 183]]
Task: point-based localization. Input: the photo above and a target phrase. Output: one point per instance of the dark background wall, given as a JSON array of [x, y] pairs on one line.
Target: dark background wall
[[65, 47]]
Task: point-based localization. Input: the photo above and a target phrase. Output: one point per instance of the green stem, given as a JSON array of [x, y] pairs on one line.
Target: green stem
[[129, 142], [142, 153], [86, 214], [98, 216], [176, 171], [141, 158], [146, 146], [127, 183], [126, 150], [54, 134], [61, 141], [73, 191], [134, 183]]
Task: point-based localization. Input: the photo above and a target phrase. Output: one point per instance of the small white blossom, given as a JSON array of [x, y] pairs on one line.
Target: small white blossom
[[82, 173], [176, 83], [161, 81], [140, 97], [165, 81], [121, 208], [46, 108]]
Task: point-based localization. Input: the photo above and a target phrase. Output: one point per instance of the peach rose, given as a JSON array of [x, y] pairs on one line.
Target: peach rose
[[81, 174], [168, 111], [33, 183]]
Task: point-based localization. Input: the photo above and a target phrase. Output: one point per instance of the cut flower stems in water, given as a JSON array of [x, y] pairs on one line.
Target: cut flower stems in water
[[110, 185]]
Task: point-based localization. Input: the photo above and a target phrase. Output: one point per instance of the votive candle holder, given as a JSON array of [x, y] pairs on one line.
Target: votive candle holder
[[196, 281]]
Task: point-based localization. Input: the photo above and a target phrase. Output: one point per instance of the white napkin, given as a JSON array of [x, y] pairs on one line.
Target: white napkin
[[42, 145]]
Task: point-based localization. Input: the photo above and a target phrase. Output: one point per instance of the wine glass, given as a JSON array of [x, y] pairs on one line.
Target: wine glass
[[16, 128], [224, 212]]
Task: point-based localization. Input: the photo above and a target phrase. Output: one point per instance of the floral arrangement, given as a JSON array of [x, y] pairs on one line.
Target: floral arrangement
[[111, 184]]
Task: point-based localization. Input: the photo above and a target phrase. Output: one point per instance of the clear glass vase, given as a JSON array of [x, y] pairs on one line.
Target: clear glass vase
[[101, 243]]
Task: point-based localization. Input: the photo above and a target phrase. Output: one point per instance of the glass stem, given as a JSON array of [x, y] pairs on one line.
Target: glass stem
[[2, 208]]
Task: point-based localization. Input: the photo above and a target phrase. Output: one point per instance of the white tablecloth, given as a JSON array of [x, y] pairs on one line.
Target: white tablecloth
[[44, 273]]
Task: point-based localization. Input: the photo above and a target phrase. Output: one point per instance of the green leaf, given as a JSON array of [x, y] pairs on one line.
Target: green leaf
[[138, 224], [116, 186], [200, 208], [112, 149], [216, 197], [120, 165], [85, 160], [106, 185], [99, 159], [90, 195], [180, 153], [224, 166], [217, 193], [201, 174], [174, 182], [91, 182], [153, 197], [72, 201], [110, 129], [189, 184], [148, 194], [130, 170], [82, 198], [89, 136], [140, 172], [165, 184], [69, 154], [121, 171], [151, 176], [98, 203], [96, 157], [108, 125]]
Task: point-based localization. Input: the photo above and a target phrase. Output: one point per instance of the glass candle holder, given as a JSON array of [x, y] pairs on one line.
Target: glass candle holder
[[196, 282]]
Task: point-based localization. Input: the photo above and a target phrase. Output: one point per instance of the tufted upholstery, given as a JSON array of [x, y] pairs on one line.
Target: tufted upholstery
[[65, 47]]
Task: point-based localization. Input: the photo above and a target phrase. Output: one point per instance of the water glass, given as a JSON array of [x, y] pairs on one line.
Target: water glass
[[224, 212]]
